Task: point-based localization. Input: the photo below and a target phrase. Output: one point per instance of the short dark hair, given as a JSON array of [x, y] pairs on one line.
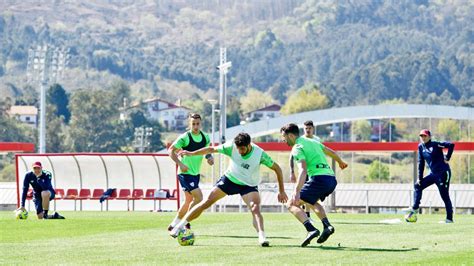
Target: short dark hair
[[195, 116], [290, 128], [242, 139], [309, 123]]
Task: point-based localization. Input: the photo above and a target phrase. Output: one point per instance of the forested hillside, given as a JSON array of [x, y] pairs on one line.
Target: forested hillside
[[358, 52]]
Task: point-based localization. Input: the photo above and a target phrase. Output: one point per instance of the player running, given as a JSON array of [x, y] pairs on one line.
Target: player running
[[311, 160], [308, 133], [242, 177], [189, 167]]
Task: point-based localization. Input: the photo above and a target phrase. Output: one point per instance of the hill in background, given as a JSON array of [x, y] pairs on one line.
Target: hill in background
[[359, 52]]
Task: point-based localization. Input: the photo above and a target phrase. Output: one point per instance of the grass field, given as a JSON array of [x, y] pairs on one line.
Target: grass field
[[141, 238]]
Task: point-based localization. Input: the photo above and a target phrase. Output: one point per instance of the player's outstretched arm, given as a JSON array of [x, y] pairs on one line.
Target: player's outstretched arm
[[282, 197], [203, 151], [331, 153]]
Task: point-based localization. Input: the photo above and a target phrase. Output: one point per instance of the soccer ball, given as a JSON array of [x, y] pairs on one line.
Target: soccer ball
[[186, 237], [21, 215], [411, 217]]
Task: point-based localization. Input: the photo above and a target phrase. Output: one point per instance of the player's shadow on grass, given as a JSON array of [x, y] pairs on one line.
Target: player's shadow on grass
[[363, 223], [227, 236], [342, 248]]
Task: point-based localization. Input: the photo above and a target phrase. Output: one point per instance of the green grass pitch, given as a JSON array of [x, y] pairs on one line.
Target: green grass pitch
[[229, 238]]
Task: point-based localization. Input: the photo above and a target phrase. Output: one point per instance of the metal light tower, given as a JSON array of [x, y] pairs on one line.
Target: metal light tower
[[213, 103], [141, 138], [223, 68], [45, 66]]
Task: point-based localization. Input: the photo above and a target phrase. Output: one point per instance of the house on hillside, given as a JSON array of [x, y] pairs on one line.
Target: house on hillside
[[27, 114], [169, 115], [270, 111]]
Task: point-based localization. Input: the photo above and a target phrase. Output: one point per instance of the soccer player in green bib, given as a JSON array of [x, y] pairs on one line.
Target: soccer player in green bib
[[241, 177], [189, 167], [308, 133], [310, 156]]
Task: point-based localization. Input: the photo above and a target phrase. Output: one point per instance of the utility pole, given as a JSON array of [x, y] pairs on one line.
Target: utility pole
[[45, 66]]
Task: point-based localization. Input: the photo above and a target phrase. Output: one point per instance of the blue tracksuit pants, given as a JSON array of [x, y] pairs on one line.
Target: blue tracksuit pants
[[442, 181]]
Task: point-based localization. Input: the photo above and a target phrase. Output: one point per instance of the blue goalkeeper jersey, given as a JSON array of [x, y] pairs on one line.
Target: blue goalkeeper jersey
[[432, 153]]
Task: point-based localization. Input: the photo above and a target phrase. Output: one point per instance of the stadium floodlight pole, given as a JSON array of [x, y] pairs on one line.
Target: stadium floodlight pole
[[45, 65], [138, 141], [223, 68], [213, 103], [141, 138], [148, 133]]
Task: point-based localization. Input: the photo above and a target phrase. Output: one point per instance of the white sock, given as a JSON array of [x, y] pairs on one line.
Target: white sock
[[261, 237], [181, 224], [175, 221]]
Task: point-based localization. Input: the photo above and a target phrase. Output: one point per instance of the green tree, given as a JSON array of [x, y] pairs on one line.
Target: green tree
[[12, 130], [7, 174], [138, 119], [5, 105], [29, 96], [378, 172], [305, 99], [254, 100], [362, 130], [119, 90], [233, 113], [55, 131], [95, 125], [448, 129], [278, 92], [58, 97]]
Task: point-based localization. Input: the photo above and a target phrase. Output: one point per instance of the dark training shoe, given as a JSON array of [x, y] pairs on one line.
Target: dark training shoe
[[57, 216], [326, 233], [310, 237], [188, 226], [170, 228]]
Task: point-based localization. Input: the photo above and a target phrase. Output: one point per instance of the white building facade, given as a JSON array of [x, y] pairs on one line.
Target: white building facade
[[169, 115], [25, 113], [271, 111]]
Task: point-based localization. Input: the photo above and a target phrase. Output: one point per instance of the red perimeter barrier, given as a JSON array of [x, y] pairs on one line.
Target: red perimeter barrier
[[365, 146], [17, 147]]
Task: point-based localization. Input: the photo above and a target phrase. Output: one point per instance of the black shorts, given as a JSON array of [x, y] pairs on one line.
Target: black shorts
[[189, 182], [37, 199], [231, 188], [318, 187]]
